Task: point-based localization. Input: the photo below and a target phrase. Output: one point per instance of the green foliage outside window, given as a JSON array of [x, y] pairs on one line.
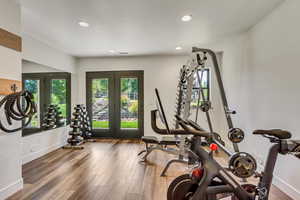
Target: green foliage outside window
[[58, 95], [33, 87]]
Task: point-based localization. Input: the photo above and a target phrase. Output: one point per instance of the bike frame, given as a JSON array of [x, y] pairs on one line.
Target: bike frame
[[212, 170]]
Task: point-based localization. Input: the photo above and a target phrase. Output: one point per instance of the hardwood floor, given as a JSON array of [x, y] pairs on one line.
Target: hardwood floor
[[107, 169]]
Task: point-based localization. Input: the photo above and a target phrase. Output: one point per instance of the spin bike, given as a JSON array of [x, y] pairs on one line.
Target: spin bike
[[210, 181]]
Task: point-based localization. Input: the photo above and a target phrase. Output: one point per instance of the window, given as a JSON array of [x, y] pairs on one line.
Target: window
[[59, 95], [205, 87], [48, 88], [100, 98], [129, 103], [33, 86]]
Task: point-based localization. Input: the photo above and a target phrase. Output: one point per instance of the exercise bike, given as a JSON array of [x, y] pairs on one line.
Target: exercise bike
[[210, 181]]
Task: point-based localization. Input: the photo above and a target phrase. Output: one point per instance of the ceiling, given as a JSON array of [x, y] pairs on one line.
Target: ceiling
[[139, 27]]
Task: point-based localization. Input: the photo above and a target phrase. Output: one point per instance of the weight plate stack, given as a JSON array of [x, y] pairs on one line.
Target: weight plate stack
[[242, 165]]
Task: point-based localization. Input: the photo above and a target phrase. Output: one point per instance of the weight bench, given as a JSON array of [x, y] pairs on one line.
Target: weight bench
[[174, 137], [153, 143]]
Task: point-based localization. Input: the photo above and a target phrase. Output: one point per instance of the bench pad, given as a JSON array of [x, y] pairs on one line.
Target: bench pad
[[164, 141]]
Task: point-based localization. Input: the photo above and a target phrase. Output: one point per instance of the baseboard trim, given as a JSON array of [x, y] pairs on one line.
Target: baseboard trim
[[286, 188], [34, 155], [11, 189]]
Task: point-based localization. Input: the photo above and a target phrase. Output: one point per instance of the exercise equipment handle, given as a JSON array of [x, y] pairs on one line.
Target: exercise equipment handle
[[195, 125], [192, 131], [190, 123]]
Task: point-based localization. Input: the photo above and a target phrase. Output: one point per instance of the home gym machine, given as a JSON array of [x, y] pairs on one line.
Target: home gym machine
[[191, 72], [173, 137], [167, 131]]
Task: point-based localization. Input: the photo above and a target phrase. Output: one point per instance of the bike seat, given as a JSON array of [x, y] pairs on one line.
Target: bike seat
[[278, 133]]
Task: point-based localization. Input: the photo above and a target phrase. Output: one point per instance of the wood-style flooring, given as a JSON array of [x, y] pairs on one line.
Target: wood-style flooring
[[104, 170]]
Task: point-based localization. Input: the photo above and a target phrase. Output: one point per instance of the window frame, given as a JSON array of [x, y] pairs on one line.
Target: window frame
[[45, 80], [208, 87]]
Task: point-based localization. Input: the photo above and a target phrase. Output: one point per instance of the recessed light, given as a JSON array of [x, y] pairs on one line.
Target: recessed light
[[178, 48], [186, 18], [112, 51], [83, 24]]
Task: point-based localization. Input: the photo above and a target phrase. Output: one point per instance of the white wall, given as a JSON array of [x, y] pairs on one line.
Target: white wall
[[261, 75], [160, 72], [10, 68], [31, 67], [10, 19], [41, 53], [39, 144]]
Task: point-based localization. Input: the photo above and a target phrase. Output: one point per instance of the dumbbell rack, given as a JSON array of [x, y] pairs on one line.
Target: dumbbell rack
[[86, 128], [75, 140], [59, 118], [49, 121]]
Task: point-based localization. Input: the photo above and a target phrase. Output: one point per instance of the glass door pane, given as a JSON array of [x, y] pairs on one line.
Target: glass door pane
[[100, 104], [129, 103], [59, 95], [33, 86]]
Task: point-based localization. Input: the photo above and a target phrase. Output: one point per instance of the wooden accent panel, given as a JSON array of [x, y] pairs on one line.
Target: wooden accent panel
[[10, 40], [106, 169], [6, 86]]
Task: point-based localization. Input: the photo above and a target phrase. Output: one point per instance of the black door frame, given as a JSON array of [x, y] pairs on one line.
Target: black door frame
[[114, 93]]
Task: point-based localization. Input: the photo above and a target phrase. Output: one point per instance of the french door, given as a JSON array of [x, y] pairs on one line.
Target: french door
[[115, 103]]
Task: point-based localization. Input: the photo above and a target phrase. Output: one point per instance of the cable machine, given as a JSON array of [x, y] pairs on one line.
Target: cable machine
[[194, 71]]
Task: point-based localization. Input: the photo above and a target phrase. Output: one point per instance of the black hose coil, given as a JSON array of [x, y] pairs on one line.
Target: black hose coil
[[18, 106]]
